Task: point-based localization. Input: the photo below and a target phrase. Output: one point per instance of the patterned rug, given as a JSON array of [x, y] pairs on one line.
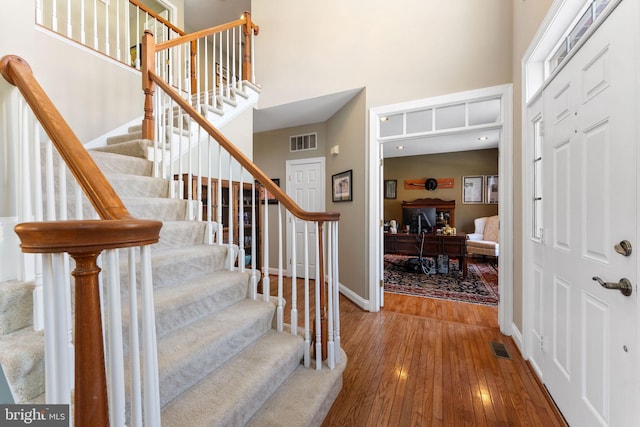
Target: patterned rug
[[404, 275]]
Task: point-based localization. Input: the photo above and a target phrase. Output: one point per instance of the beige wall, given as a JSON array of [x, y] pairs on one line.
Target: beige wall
[[424, 48], [527, 17], [446, 165]]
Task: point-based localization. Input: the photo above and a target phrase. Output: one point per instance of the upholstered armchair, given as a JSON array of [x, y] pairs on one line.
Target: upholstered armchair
[[484, 240]]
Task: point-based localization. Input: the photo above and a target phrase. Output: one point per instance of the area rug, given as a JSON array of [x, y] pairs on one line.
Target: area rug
[[480, 287]]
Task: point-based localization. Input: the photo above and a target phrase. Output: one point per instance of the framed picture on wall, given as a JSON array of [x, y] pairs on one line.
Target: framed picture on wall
[[342, 187], [491, 189], [390, 188], [472, 189]]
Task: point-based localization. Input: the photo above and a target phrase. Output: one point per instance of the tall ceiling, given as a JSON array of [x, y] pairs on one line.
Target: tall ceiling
[[200, 14]]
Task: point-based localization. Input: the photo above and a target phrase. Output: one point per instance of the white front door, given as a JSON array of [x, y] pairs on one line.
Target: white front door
[[306, 186], [590, 345]]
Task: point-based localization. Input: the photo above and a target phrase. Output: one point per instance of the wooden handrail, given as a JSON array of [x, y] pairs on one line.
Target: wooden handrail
[[244, 161], [98, 190], [206, 32], [83, 240]]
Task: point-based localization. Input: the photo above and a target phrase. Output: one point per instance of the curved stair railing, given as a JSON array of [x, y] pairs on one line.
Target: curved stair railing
[[75, 356], [187, 148]]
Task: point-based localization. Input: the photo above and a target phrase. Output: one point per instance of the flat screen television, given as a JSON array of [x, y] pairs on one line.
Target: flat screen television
[[419, 220]]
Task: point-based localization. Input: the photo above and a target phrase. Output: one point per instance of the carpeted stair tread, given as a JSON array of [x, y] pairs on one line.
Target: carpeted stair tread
[[196, 350], [117, 139], [138, 186], [179, 305], [22, 357], [16, 305], [135, 148], [232, 393], [121, 163], [304, 399], [178, 264], [181, 233], [156, 208]]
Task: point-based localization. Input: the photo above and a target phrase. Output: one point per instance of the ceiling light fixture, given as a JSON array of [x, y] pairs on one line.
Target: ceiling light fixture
[[400, 147], [483, 138], [384, 119]]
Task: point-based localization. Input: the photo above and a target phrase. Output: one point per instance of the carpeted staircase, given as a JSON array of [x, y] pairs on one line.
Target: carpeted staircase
[[221, 362]]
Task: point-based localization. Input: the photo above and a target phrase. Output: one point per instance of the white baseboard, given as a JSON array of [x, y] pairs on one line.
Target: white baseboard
[[355, 298], [516, 335]]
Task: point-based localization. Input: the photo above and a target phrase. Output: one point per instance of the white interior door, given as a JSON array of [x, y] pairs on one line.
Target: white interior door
[[306, 186], [590, 345]]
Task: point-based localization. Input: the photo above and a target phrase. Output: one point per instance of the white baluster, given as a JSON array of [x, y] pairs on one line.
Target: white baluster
[[219, 67], [118, 47], [240, 57], [254, 241], [115, 360], [227, 65], [38, 302], [318, 284], [330, 295], [96, 46], [336, 292], [54, 16], [233, 59], [39, 12], [241, 223], [266, 283], [280, 309], [307, 332], [134, 344], [253, 58], [52, 392], [150, 351], [69, 25], [107, 46], [219, 209], [231, 219], [294, 278]]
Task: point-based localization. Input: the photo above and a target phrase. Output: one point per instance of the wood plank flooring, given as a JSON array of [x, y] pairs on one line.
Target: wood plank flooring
[[427, 362]]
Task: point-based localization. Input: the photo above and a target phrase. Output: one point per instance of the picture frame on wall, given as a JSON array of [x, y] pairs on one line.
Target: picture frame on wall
[[473, 189], [491, 189], [270, 197], [390, 188], [342, 187]]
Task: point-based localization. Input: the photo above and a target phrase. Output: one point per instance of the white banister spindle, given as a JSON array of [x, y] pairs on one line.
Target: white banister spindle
[[242, 223], [39, 12], [136, 42], [118, 47], [219, 76], [69, 24], [330, 295], [280, 308], [317, 288], [210, 200], [294, 278], [107, 44], [54, 16], [240, 56], [231, 219], [219, 202], [233, 60], [96, 45], [266, 283], [38, 302], [115, 361], [227, 67], [253, 58], [135, 388], [150, 352], [52, 393], [254, 242], [307, 331], [336, 294], [83, 29], [57, 302]]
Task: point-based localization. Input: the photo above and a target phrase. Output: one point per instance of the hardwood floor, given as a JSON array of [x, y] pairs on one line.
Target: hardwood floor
[[427, 362]]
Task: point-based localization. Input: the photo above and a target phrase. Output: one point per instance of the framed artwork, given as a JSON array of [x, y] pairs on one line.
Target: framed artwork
[[491, 189], [472, 189], [270, 198], [390, 188], [342, 187]]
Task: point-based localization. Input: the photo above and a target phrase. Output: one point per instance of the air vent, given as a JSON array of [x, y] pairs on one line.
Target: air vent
[[499, 350], [303, 142]]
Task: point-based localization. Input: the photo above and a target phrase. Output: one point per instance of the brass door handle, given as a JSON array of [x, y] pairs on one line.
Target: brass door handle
[[624, 285]]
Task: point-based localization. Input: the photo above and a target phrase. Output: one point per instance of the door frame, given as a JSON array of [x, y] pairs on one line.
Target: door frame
[[505, 208], [321, 197]]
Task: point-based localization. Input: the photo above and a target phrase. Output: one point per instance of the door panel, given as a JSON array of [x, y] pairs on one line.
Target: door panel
[[591, 113]]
